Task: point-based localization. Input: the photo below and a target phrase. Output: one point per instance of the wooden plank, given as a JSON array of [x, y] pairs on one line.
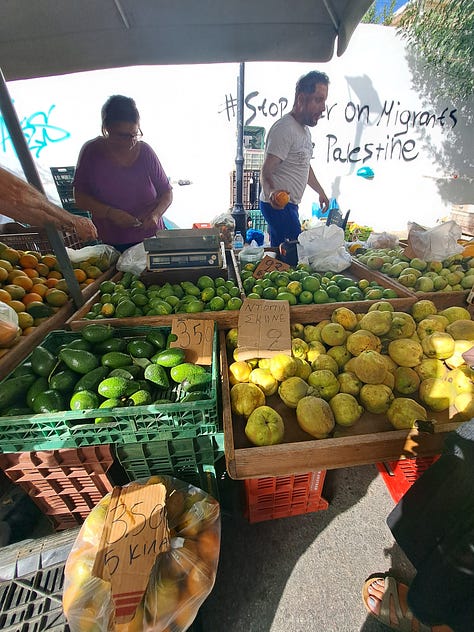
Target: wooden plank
[[26, 344], [371, 440]]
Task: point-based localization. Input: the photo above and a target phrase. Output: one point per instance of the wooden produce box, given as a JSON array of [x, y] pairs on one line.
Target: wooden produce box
[[463, 215], [371, 440]]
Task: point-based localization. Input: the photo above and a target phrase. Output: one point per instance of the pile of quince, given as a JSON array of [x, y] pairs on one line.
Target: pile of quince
[[383, 362], [456, 273]]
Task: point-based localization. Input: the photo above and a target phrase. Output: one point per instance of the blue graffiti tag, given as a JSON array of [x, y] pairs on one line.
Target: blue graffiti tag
[[37, 130]]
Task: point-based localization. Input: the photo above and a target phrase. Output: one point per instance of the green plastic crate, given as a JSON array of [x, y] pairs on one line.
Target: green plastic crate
[[258, 221], [190, 460], [134, 424]]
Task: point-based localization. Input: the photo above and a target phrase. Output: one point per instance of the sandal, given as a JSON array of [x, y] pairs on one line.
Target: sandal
[[391, 596]]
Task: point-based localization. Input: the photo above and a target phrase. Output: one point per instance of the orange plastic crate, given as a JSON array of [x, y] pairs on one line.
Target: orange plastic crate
[[284, 496], [399, 476]]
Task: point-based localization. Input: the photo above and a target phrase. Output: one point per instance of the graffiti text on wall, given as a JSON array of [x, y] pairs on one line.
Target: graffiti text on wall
[[38, 131], [400, 122]]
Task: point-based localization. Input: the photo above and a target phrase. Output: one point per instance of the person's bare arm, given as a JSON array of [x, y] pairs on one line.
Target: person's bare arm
[[314, 184], [104, 211], [158, 209], [271, 162], [23, 203]]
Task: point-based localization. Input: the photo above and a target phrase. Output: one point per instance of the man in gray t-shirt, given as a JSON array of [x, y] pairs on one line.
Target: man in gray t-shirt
[[288, 151]]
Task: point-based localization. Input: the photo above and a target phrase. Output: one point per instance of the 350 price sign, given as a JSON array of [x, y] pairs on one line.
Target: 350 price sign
[[195, 337]]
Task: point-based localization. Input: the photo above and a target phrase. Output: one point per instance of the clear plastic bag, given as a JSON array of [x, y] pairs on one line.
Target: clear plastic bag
[[226, 225], [180, 580], [323, 248], [133, 260], [382, 240], [101, 255], [9, 330], [434, 244]]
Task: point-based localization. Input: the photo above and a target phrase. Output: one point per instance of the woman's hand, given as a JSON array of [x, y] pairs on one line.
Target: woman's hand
[[122, 218]]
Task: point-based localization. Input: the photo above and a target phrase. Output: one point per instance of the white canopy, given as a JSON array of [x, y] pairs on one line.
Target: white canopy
[[49, 37]]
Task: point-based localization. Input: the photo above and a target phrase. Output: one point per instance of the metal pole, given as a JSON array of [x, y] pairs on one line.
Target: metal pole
[[238, 212], [29, 168]]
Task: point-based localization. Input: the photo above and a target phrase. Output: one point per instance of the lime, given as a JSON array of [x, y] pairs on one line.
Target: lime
[[205, 282], [249, 267], [248, 284], [140, 300], [106, 298], [125, 309], [258, 289], [389, 293], [229, 284], [294, 287], [245, 274], [282, 280], [107, 287], [193, 307], [270, 293], [306, 297], [273, 276], [217, 304], [165, 292], [234, 291], [363, 284], [374, 294], [287, 296], [321, 296], [234, 303], [345, 282], [134, 285], [343, 296], [226, 296], [219, 282], [178, 290], [310, 284], [333, 291], [207, 294], [172, 300], [157, 303], [253, 296]]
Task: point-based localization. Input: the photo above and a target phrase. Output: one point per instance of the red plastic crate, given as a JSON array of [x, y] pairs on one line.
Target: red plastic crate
[[284, 496], [399, 476], [65, 484]]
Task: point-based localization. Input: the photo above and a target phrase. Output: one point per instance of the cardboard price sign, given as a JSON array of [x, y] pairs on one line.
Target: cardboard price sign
[[195, 337], [268, 264], [264, 329], [135, 533]]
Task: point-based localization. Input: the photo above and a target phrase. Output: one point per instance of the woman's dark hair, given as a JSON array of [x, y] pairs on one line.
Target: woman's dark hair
[[307, 83], [118, 108]]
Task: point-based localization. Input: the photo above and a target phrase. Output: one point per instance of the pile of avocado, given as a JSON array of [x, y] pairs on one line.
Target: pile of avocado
[[100, 369]]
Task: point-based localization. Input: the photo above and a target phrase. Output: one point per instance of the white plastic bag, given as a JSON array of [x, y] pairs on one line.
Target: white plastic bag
[[100, 253], [133, 260], [9, 330], [434, 244], [382, 240], [323, 248]]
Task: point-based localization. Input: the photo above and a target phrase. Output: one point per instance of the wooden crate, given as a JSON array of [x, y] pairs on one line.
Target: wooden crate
[[463, 215], [371, 440]]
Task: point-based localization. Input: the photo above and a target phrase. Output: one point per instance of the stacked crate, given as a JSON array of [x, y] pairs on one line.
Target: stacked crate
[[251, 188]]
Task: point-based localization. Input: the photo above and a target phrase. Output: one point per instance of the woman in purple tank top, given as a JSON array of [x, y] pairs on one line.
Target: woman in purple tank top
[[120, 180]]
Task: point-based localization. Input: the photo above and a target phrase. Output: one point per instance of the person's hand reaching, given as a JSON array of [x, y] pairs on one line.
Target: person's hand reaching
[[84, 228]]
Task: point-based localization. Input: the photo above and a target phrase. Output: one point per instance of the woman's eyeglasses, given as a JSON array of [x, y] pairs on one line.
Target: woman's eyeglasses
[[129, 137]]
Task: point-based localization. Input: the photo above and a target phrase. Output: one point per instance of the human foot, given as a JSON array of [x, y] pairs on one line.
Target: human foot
[[386, 600]]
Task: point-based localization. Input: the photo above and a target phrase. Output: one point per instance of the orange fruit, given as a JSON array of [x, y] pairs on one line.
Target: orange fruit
[[57, 298], [29, 330], [281, 198], [35, 254], [62, 285], [32, 297], [39, 288], [3, 275], [4, 296], [42, 269], [51, 282], [80, 275], [89, 281], [49, 260], [11, 255], [209, 545], [15, 291], [6, 264], [54, 274], [18, 306], [30, 272], [25, 282], [15, 273], [25, 320], [28, 261]]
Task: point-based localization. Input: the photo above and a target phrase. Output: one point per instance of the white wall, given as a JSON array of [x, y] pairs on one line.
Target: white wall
[[185, 119]]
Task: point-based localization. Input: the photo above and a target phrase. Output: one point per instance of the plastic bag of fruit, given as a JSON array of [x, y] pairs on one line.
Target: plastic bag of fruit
[[180, 580], [101, 255], [9, 331], [226, 225]]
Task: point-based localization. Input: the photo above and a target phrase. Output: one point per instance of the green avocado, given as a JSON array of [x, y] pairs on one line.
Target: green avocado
[[186, 371], [78, 360], [42, 361]]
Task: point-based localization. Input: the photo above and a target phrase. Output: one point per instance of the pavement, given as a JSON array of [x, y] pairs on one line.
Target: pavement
[[304, 573]]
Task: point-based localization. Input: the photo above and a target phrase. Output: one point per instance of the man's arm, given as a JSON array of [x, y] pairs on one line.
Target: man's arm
[[23, 203], [314, 184]]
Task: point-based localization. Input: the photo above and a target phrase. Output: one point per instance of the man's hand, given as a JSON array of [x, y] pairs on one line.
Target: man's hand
[[323, 201], [84, 228]]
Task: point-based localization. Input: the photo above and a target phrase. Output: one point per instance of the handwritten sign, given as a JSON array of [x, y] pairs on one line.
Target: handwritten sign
[[195, 337], [135, 533], [264, 329], [268, 264], [468, 357]]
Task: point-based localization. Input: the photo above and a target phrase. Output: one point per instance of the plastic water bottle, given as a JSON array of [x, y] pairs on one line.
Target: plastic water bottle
[[238, 242]]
